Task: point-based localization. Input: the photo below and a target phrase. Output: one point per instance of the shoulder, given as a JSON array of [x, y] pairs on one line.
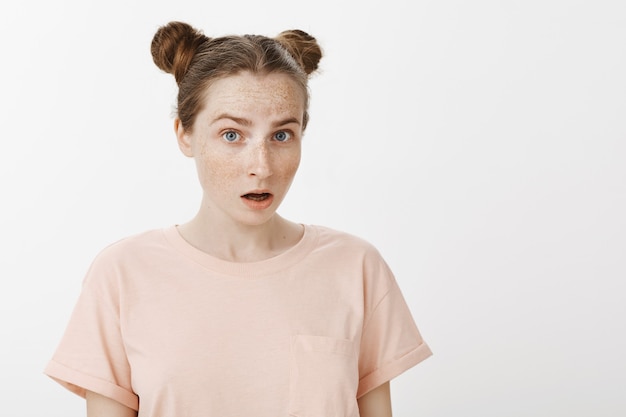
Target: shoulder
[[344, 243], [349, 255], [134, 244], [123, 254], [329, 235]]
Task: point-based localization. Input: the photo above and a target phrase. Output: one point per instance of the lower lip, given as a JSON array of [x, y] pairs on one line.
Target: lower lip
[[258, 205]]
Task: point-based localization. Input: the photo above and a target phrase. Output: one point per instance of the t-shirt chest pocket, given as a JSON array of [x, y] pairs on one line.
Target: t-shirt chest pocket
[[323, 377]]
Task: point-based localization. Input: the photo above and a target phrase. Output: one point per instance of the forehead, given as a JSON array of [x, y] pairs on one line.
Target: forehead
[[273, 92]]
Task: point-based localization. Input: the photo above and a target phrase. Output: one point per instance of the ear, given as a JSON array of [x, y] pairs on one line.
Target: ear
[[184, 140]]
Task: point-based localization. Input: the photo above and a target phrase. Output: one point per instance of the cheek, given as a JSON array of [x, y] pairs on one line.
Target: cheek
[[215, 171], [289, 164]]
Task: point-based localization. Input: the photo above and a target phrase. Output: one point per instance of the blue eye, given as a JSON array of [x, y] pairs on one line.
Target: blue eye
[[282, 136], [230, 136]]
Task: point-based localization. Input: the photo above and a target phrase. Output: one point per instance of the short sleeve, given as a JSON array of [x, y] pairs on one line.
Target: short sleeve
[[391, 342], [91, 355]]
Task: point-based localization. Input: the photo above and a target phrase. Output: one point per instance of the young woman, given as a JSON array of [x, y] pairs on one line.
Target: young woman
[[238, 312]]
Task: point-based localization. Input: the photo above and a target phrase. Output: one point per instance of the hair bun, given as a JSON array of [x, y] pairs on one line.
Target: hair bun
[[174, 46], [303, 47]]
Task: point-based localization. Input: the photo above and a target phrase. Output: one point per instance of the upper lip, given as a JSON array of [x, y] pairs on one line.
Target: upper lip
[[257, 192]]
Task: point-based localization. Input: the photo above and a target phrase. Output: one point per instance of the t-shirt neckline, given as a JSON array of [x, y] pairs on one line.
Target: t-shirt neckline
[[267, 266]]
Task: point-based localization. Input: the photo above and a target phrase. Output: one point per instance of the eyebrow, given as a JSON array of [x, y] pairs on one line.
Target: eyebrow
[[246, 122]]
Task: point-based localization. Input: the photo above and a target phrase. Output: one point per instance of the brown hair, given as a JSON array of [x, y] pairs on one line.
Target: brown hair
[[196, 61]]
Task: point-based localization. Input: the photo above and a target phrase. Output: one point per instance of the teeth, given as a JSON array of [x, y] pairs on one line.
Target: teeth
[[257, 197]]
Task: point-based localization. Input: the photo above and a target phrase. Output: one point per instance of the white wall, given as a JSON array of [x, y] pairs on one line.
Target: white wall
[[479, 145]]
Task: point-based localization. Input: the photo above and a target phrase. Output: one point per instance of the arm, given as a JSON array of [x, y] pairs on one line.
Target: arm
[[101, 406], [376, 403]]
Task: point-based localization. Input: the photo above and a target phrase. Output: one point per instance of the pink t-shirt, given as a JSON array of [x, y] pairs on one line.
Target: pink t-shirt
[[168, 330]]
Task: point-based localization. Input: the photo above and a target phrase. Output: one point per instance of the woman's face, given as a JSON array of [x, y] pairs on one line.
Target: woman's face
[[246, 143]]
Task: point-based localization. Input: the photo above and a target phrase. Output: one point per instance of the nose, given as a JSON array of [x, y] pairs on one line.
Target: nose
[[260, 161]]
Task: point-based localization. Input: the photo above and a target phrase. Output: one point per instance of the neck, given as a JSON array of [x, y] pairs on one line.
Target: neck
[[237, 242]]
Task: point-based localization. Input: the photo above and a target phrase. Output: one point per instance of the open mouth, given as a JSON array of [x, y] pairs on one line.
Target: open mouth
[[257, 197]]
